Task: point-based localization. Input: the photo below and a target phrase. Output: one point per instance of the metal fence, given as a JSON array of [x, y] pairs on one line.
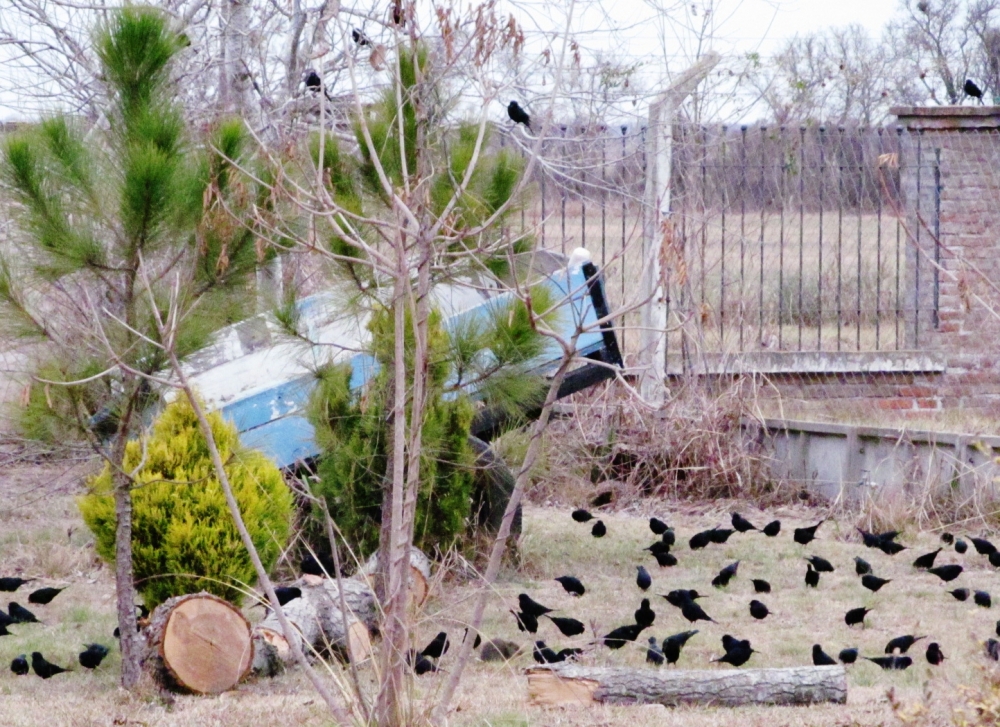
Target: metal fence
[[787, 238]]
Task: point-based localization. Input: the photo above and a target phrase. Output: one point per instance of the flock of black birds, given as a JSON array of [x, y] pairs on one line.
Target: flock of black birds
[[736, 651], [90, 658]]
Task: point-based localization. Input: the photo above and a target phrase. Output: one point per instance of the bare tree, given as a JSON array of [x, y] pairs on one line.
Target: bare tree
[[944, 42]]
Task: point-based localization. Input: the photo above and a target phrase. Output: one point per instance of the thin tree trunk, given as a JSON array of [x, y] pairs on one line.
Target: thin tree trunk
[[392, 689], [124, 581]]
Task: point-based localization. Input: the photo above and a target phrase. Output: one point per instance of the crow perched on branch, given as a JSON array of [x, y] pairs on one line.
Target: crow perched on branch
[[518, 115]]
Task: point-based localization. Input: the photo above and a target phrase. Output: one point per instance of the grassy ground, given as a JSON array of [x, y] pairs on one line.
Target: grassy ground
[[43, 537]]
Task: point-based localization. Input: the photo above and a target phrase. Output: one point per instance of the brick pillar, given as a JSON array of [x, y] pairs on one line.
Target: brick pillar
[[950, 181]]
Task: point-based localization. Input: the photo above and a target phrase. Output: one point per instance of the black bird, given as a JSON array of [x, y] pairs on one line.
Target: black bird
[[888, 536], [821, 658], [653, 654], [617, 637], [6, 620], [903, 643], [20, 614], [891, 662], [544, 655], [322, 567], [530, 607], [312, 80], [983, 546], [672, 645], [741, 524], [599, 530], [890, 548], [820, 564], [856, 616], [720, 535], [93, 656], [993, 649], [934, 655], [812, 576], [644, 615], [4, 631], [665, 560], [947, 538], [761, 586], [871, 540], [287, 593], [998, 628], [642, 578], [517, 114], [438, 646], [693, 612], [12, 584], [567, 626], [926, 561], [581, 515], [758, 610], [873, 582], [658, 547], [738, 655], [602, 498], [571, 585], [476, 643], [20, 665], [946, 572], [700, 540], [680, 596], [971, 89], [569, 653], [961, 546], [960, 594], [360, 38], [804, 536], [994, 559], [658, 526], [725, 575], [862, 566], [772, 528], [45, 669], [421, 664], [848, 656], [526, 622], [668, 537], [982, 598]]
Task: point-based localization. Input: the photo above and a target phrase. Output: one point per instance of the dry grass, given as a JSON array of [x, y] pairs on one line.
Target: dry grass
[[552, 545]]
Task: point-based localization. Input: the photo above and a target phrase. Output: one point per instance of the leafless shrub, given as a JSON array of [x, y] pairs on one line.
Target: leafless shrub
[[694, 448]]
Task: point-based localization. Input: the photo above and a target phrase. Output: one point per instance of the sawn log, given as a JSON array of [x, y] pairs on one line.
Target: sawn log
[[574, 684]]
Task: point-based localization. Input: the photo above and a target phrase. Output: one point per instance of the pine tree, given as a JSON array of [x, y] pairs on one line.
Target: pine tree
[[103, 209]]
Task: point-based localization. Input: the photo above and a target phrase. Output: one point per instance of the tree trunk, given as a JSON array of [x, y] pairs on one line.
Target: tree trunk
[[131, 645], [198, 643], [321, 625], [420, 575], [572, 684]]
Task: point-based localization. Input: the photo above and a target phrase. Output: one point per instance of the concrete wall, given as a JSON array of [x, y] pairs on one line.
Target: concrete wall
[[851, 462]]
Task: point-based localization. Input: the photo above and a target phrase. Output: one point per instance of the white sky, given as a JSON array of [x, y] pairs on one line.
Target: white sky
[[634, 29]]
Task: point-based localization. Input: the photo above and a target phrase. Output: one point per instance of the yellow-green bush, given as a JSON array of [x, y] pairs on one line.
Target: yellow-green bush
[[183, 537]]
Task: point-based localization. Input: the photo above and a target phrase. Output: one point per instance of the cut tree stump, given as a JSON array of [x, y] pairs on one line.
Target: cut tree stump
[[320, 624], [198, 643], [574, 684]]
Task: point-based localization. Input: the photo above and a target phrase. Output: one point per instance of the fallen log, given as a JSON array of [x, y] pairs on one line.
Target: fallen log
[[198, 643], [574, 684], [420, 575], [321, 626]]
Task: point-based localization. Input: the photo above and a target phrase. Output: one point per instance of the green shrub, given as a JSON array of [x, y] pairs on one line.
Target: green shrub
[[355, 435], [183, 537]]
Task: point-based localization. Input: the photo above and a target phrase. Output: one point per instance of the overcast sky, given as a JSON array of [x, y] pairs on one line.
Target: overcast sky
[[634, 29]]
